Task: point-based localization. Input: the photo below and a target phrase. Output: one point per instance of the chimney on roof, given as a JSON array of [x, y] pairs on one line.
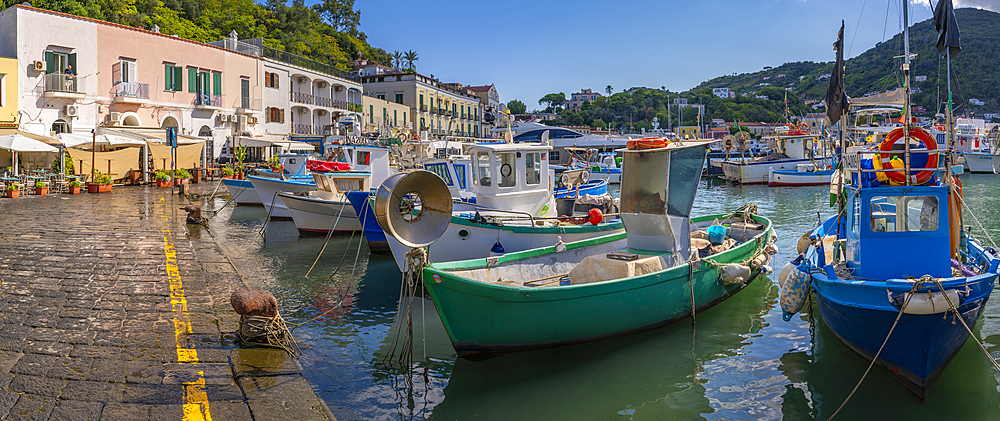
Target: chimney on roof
[[156, 28], [234, 36]]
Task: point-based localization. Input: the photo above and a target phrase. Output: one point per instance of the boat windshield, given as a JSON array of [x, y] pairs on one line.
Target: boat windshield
[[482, 168], [904, 213]]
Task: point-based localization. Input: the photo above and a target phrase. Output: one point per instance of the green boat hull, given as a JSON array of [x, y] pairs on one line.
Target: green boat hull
[[489, 318]]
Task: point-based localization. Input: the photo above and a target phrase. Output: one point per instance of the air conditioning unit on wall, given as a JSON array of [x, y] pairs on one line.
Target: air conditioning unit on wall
[[115, 117], [71, 110], [39, 65]]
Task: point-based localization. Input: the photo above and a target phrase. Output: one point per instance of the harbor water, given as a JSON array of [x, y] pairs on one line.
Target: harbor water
[[737, 360]]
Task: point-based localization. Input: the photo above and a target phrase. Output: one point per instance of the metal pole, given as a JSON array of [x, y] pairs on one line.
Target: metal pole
[[93, 156], [906, 92]]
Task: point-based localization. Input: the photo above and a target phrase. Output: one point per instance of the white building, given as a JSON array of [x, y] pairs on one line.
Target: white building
[[721, 92]]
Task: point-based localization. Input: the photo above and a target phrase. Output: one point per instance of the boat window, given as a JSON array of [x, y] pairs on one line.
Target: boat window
[[349, 184], [483, 169], [441, 170], [460, 175], [506, 163], [364, 158], [533, 168], [904, 213]]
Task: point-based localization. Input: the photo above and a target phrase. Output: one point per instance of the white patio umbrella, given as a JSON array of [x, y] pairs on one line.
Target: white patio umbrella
[[19, 143]]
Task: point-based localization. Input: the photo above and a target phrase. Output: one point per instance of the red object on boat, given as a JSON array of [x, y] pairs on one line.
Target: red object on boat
[[647, 143], [595, 216], [326, 166]]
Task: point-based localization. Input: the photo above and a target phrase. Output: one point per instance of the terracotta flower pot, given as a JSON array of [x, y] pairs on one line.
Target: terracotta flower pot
[[162, 183], [74, 189], [98, 188], [179, 181], [41, 191], [12, 194]]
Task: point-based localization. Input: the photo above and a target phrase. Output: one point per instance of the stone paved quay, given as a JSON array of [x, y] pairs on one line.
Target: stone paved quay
[[112, 308]]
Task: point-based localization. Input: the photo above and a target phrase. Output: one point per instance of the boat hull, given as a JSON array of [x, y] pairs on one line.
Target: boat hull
[[982, 162], [920, 346], [593, 187], [757, 172], [268, 189], [464, 240], [316, 215], [796, 178], [373, 232], [242, 191], [613, 176], [489, 318]]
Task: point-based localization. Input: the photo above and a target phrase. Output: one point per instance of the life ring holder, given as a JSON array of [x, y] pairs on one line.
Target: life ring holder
[[885, 155]]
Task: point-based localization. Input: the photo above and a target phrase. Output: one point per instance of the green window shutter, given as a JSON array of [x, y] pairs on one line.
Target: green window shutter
[[217, 83], [178, 79], [168, 77], [72, 62], [404, 118], [50, 62], [371, 114], [192, 80]]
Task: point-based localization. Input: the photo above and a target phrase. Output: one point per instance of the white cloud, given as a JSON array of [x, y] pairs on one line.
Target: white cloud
[[992, 5]]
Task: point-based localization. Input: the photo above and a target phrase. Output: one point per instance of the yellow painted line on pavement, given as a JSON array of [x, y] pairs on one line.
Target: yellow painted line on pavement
[[195, 397]]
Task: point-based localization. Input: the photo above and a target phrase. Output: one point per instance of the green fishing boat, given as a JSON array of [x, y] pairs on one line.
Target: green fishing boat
[[665, 268]]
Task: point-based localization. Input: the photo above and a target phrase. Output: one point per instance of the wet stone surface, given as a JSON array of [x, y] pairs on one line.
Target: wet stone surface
[[94, 327]]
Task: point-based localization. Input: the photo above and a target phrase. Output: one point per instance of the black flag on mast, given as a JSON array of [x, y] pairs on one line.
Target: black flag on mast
[[947, 27], [836, 98]]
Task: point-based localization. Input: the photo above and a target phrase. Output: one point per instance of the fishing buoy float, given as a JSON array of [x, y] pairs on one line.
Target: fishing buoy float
[[794, 291], [595, 216]]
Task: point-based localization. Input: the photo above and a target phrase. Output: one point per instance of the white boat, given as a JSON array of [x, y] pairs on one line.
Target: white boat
[[242, 191], [802, 175], [327, 207], [977, 146], [788, 152], [512, 187]]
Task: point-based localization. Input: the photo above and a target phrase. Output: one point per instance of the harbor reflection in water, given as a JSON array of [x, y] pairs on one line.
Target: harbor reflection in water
[[739, 360]]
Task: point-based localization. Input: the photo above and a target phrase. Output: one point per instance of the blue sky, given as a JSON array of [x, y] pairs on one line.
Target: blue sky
[[529, 48]]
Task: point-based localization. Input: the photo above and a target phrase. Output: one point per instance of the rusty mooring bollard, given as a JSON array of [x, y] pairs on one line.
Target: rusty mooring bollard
[[254, 302]]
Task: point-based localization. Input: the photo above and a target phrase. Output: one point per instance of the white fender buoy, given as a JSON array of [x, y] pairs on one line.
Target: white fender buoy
[[933, 303], [735, 273], [785, 272]]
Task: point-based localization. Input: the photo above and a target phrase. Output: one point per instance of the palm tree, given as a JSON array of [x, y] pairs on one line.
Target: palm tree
[[411, 57], [397, 59], [609, 90]]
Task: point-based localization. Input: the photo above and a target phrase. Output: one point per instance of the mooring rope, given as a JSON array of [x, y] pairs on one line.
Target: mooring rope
[[328, 234], [987, 233]]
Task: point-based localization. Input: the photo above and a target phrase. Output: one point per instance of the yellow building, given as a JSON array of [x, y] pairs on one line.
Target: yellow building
[[688, 132], [389, 118], [8, 92]]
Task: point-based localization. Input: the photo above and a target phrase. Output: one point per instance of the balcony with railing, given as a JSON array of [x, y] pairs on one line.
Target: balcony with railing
[[302, 129], [130, 93], [256, 47], [323, 101], [423, 108], [303, 98], [247, 105], [208, 102], [58, 85]]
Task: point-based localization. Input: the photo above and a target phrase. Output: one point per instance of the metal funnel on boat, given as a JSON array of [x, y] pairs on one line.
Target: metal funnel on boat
[[414, 207], [657, 193]]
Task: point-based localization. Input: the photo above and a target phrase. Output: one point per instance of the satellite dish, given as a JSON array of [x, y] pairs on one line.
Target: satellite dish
[[414, 207]]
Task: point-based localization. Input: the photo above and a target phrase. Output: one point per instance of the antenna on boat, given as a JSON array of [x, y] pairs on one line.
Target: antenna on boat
[[906, 92]]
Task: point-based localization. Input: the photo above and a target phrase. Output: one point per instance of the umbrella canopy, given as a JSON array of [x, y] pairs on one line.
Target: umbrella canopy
[[21, 143]]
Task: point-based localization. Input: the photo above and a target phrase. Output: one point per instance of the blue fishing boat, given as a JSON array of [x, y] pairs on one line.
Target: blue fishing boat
[[895, 276], [593, 187]]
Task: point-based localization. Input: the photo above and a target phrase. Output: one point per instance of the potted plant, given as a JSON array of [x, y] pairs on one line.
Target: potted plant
[[227, 172], [101, 184], [74, 187], [12, 191], [162, 179], [181, 176], [41, 189], [240, 153]]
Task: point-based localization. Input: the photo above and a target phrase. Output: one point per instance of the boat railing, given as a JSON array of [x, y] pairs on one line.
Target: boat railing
[[852, 160], [529, 216]]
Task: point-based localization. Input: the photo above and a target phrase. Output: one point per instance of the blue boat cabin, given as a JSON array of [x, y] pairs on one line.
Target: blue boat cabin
[[906, 225]]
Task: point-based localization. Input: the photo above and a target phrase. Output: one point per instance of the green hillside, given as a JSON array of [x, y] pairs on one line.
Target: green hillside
[[327, 32], [975, 70]]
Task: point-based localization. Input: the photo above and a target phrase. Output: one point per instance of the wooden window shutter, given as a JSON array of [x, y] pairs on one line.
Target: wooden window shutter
[[178, 79], [192, 80], [217, 83], [50, 62]]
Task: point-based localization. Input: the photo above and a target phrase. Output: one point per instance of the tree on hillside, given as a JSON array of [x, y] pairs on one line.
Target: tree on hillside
[[340, 14], [553, 100], [411, 59], [517, 107], [608, 90]]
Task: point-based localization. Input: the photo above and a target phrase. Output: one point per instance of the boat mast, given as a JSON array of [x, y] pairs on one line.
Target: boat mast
[[906, 91]]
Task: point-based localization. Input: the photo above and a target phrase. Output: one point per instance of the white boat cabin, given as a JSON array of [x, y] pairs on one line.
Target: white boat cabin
[[455, 171], [335, 185], [511, 176], [295, 164], [795, 147]]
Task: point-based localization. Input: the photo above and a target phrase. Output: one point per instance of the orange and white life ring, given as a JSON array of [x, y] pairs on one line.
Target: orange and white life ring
[[885, 149]]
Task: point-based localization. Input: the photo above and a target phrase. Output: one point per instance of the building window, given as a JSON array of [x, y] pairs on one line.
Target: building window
[[56, 62], [270, 80], [127, 71], [217, 84], [3, 91], [173, 76], [395, 117], [399, 98], [275, 115], [404, 118], [380, 96], [421, 100], [371, 114]]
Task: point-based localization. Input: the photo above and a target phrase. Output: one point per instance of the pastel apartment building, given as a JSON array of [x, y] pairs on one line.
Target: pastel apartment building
[[9, 70], [83, 73], [576, 100]]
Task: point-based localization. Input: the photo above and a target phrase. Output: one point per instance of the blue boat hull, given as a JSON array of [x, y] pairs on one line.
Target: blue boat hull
[[373, 232], [920, 346], [592, 187]]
